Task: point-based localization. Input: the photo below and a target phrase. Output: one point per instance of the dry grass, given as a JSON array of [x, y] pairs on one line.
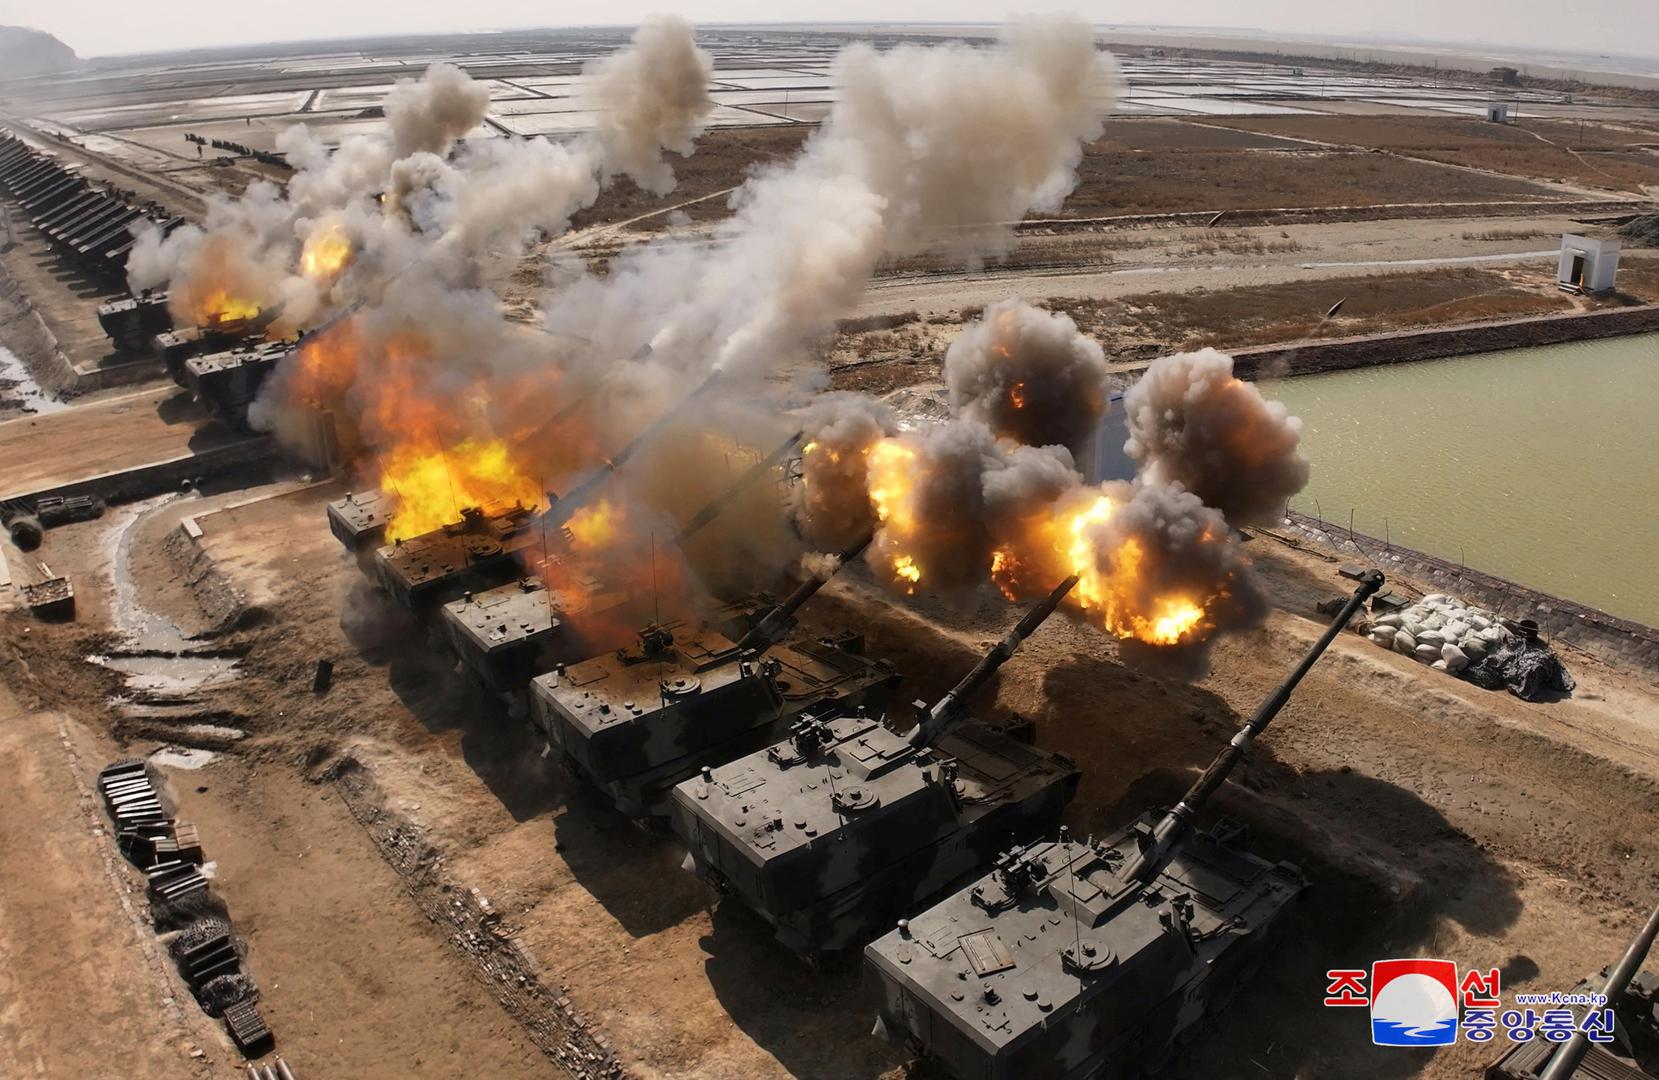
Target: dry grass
[[1509, 234], [1167, 181], [1150, 166], [877, 356], [1621, 171], [1149, 133], [1596, 155], [1270, 314], [1236, 242], [1639, 277], [724, 159]]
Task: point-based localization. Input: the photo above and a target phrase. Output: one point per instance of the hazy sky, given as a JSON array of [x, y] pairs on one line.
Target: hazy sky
[[95, 27]]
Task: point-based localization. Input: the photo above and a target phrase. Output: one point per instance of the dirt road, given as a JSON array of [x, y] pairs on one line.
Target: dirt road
[[1122, 262], [84, 988], [115, 433]]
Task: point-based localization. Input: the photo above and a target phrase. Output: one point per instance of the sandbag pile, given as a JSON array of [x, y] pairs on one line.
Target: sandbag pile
[[1441, 631]]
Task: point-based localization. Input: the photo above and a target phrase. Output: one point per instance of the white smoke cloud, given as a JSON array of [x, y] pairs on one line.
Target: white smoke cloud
[[430, 115], [651, 97], [935, 148], [415, 193]]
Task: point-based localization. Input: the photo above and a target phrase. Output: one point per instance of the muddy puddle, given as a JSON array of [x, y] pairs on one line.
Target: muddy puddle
[[18, 386], [167, 676]]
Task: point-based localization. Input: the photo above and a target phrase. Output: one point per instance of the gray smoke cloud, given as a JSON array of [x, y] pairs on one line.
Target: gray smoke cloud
[[414, 201], [967, 493], [1163, 542], [832, 503], [1192, 423], [430, 115], [1029, 374], [652, 97]]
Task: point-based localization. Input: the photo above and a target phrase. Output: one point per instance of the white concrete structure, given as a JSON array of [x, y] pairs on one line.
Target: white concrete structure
[[1588, 263], [1497, 112]]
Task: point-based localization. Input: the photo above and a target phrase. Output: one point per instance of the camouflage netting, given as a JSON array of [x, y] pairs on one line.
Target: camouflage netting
[[197, 933], [1528, 669], [1643, 230], [219, 994], [177, 914]]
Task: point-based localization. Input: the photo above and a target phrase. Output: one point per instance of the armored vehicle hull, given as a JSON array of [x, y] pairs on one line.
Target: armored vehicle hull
[[358, 521], [508, 635], [133, 322], [477, 553], [1095, 960], [637, 725], [833, 832], [832, 846], [989, 983], [1628, 996], [225, 384]]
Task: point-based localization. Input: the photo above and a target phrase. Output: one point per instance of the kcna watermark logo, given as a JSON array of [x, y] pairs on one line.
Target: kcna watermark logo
[[1417, 1003]]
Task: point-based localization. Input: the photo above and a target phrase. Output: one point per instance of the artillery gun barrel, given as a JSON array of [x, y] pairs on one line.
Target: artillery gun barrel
[[561, 511], [1567, 1059], [770, 626], [1175, 824], [335, 319], [724, 499], [951, 708]]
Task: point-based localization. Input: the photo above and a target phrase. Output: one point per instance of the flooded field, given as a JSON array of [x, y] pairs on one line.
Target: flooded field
[[1532, 464]]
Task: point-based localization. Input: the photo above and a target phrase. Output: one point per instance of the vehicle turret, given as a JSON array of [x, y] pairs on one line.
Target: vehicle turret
[[687, 697], [833, 832]]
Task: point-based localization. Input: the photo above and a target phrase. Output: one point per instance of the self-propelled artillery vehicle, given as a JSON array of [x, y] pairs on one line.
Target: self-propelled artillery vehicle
[[1083, 959], [507, 635], [478, 552], [837, 830], [132, 322], [226, 383], [483, 550], [358, 521], [640, 720], [1627, 998]]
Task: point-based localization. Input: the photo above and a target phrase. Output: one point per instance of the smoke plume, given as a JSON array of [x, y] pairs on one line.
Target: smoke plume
[[950, 495], [1160, 550], [653, 97], [832, 503], [937, 148], [1030, 375], [430, 115], [1192, 423], [416, 202]]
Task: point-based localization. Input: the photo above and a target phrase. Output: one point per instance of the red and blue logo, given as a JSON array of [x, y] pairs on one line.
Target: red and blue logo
[[1414, 1002]]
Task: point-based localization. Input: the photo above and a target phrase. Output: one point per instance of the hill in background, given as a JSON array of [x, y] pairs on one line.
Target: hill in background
[[32, 52]]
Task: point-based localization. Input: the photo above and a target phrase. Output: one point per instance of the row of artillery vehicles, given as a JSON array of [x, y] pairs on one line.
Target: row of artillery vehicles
[[779, 761], [223, 364]]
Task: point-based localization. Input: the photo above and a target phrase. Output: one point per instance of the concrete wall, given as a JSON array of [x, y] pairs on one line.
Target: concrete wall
[[163, 475], [1341, 354]]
